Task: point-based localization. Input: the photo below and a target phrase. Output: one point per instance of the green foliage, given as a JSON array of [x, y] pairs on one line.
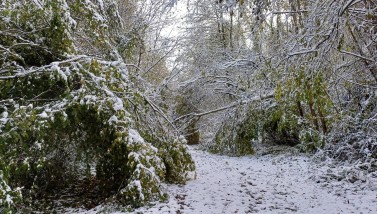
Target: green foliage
[[305, 110], [34, 88], [47, 146], [146, 172], [311, 140], [8, 196], [278, 129], [235, 137], [177, 160], [65, 118], [302, 116], [38, 33]]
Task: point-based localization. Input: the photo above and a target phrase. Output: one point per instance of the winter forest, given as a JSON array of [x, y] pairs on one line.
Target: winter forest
[[188, 106]]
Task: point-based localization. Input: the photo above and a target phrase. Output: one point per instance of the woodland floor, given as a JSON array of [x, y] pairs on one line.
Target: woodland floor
[[284, 183]]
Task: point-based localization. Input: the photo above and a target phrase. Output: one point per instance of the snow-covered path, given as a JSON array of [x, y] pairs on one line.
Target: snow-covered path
[[266, 184]]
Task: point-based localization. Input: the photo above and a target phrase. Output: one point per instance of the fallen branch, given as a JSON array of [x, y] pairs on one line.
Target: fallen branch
[[233, 105], [160, 112]]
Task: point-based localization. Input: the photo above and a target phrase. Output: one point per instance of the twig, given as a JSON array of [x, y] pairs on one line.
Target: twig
[[356, 55]]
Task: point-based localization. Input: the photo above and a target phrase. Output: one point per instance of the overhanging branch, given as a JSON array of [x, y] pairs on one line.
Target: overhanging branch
[[43, 68], [233, 105]]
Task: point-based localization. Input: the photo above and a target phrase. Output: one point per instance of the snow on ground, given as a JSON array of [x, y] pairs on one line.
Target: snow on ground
[[266, 184]]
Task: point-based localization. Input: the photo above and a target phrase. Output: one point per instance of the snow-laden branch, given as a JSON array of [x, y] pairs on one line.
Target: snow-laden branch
[[239, 62], [160, 112], [161, 59], [289, 12], [43, 68], [356, 55], [232, 105], [347, 5]]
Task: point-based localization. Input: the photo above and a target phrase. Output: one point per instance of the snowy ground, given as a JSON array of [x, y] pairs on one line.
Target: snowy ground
[[268, 184]]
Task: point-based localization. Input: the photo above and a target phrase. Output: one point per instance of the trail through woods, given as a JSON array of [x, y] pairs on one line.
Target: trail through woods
[[269, 184]]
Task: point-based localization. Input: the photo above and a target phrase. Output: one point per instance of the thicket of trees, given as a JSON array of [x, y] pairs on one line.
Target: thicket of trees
[[296, 72]]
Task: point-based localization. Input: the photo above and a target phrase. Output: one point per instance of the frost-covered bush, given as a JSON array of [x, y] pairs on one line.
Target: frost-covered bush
[[67, 117], [236, 134], [88, 128], [8, 196], [354, 137], [300, 115], [147, 170], [34, 33], [280, 129], [254, 125], [178, 161], [311, 140], [305, 109]]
